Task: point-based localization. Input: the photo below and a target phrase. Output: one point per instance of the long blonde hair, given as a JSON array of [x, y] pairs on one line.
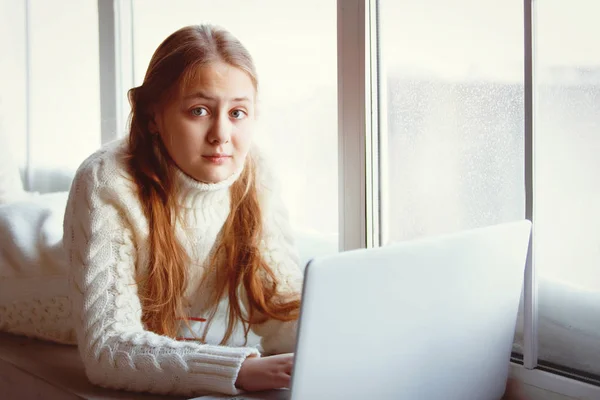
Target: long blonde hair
[[238, 253]]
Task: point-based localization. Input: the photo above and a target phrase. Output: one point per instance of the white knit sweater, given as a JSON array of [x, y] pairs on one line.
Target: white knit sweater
[[106, 243]]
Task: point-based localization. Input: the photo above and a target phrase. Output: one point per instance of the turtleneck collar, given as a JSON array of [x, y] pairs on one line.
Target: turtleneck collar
[[194, 194]]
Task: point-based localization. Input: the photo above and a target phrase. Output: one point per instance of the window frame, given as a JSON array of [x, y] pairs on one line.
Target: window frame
[[115, 20], [530, 305], [357, 125], [28, 172], [361, 133]]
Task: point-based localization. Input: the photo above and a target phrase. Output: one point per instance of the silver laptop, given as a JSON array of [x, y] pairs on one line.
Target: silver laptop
[[429, 319]]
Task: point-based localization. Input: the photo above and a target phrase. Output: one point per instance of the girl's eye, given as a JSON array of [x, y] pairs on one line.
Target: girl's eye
[[199, 112], [238, 114]]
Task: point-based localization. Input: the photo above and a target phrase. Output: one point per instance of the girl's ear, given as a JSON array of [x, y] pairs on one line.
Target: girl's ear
[[155, 122], [152, 128]]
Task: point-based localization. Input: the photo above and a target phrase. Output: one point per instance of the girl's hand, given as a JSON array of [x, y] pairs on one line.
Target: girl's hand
[[272, 372]]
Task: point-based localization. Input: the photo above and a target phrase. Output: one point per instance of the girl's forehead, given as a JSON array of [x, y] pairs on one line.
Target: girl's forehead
[[218, 80]]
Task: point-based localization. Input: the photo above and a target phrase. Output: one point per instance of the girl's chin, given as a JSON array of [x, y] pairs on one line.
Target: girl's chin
[[214, 175]]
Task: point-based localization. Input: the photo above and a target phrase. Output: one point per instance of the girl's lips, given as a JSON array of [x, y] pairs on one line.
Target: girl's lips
[[217, 159]]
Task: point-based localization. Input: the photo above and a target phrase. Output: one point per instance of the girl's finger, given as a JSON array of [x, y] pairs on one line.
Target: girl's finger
[[283, 381]]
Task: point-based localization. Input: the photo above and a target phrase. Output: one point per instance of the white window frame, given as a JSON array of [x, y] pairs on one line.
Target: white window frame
[[28, 178], [358, 125], [530, 344], [115, 22], [361, 132]]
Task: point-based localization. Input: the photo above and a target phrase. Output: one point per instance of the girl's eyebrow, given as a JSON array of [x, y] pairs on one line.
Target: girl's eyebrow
[[204, 96]]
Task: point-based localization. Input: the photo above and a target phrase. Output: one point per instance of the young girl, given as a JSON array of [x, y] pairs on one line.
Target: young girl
[[182, 273], [181, 263]]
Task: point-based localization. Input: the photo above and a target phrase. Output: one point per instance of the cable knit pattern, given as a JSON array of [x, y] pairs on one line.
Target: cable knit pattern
[[48, 319], [105, 238]]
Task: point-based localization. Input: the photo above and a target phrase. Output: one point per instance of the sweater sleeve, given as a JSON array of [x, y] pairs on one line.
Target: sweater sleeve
[[115, 348], [280, 253]]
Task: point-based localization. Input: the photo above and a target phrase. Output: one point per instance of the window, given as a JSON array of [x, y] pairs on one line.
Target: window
[[453, 74], [453, 104], [51, 98], [567, 191], [297, 69], [455, 117], [13, 124]]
